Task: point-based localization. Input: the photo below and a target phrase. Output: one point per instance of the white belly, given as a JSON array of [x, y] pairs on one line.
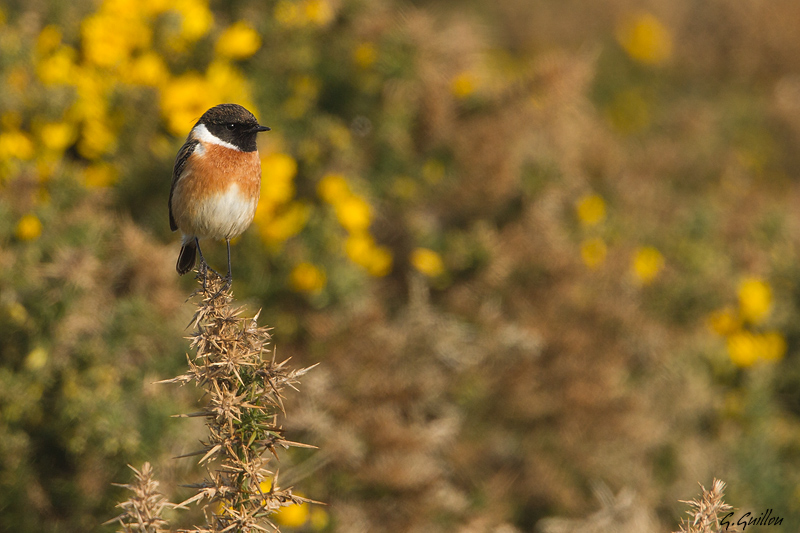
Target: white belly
[[222, 216]]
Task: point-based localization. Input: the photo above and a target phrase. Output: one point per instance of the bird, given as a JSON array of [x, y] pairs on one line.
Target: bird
[[216, 183]]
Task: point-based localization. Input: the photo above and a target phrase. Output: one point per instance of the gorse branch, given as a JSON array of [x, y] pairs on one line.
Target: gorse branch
[[142, 511], [243, 386], [704, 512]]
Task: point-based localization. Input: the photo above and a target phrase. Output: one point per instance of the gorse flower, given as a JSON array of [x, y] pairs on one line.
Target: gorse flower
[[746, 346], [238, 41], [333, 188], [428, 262], [591, 210], [463, 84], [645, 38], [353, 213], [755, 300], [28, 228], [647, 263], [307, 278]]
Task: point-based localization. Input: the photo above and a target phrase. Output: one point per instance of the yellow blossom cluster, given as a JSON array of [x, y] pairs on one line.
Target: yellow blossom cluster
[[29, 228], [279, 216], [428, 262], [308, 278], [120, 47], [591, 212], [747, 345], [645, 38], [355, 216], [463, 84], [647, 263], [293, 14]]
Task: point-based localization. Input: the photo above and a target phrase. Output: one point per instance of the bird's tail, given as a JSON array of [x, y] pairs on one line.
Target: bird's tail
[[187, 257]]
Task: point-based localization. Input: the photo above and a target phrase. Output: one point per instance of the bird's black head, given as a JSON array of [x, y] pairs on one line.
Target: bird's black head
[[233, 124]]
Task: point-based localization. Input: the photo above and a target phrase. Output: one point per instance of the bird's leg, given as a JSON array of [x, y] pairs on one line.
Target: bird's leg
[[203, 268], [228, 276], [228, 279]]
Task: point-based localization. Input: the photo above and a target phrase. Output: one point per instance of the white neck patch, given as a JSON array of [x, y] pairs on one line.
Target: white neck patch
[[201, 133]]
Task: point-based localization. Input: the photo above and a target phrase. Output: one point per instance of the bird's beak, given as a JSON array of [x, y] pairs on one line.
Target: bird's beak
[[260, 128]]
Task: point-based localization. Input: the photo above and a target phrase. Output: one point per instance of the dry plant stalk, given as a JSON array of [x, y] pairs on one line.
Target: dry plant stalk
[[142, 511], [243, 384], [704, 512]]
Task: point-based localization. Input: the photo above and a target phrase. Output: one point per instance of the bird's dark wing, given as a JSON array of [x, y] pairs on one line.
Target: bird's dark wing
[[180, 163]]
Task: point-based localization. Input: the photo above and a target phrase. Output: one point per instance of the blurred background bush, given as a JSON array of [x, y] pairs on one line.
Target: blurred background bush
[[543, 251]]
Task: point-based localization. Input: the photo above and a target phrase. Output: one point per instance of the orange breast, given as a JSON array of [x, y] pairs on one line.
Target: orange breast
[[204, 203]]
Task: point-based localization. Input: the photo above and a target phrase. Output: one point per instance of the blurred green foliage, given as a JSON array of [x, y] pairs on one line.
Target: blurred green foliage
[[533, 244]]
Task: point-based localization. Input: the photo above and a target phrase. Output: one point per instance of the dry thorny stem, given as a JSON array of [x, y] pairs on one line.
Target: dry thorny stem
[[243, 387], [704, 513]]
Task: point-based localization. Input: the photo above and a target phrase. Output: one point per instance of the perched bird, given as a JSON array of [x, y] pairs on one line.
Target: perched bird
[[216, 182]]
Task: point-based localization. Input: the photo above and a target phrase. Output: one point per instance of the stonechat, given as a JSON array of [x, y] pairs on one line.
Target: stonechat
[[216, 182]]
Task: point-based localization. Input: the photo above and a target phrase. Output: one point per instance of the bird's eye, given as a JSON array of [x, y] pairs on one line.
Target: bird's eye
[[230, 126]]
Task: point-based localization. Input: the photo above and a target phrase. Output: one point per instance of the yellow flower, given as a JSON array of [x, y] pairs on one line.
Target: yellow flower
[[228, 84], [743, 348], [463, 85], [294, 515], [49, 40], [365, 55], [278, 172], [724, 321], [645, 38], [57, 68], [308, 278], [593, 252], [196, 18], [57, 136], [380, 262], [318, 12], [358, 247], [184, 99], [755, 300], [591, 210], [107, 41], [285, 224], [362, 250], [97, 138], [15, 144], [428, 262], [99, 175], [647, 263], [353, 213], [238, 41], [154, 7], [773, 346], [29, 228], [333, 188], [147, 69], [278, 167]]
